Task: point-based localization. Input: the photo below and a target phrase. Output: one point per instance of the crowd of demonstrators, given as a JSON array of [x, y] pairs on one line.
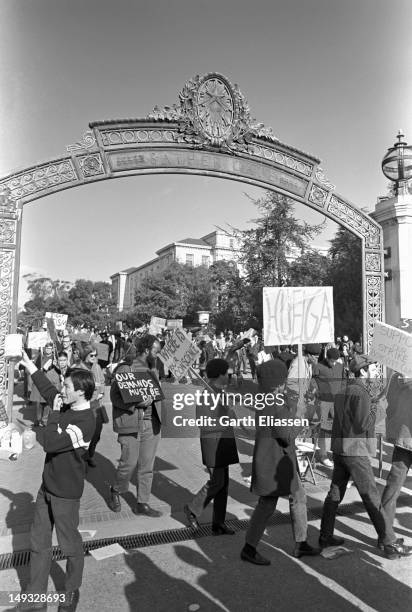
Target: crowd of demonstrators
[[325, 387]]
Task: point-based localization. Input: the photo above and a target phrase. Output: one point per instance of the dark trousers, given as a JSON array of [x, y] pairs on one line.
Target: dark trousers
[[401, 462], [266, 507], [97, 433], [62, 513], [360, 470], [138, 451], [217, 489]]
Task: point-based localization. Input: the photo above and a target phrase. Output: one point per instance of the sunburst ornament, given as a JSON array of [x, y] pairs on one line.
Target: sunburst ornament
[[215, 108]]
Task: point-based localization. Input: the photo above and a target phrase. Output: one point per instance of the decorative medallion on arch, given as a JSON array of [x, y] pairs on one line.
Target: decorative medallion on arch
[[209, 131]]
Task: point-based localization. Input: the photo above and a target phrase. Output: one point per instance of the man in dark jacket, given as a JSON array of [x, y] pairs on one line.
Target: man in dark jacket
[[138, 429], [218, 446], [66, 437], [274, 469], [399, 433], [353, 440]]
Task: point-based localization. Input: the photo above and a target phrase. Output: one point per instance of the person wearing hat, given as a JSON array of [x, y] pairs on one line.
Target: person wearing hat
[[275, 470], [218, 447], [353, 433], [329, 375]]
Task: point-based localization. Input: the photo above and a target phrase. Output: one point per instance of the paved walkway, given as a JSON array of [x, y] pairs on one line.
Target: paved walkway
[[206, 571]]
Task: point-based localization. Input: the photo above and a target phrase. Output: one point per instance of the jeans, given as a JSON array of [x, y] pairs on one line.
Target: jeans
[[42, 412], [326, 409], [401, 462], [62, 513], [217, 489], [360, 469], [264, 510], [138, 451]]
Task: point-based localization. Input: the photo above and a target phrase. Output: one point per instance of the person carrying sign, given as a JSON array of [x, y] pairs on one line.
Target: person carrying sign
[[275, 470], [218, 446], [138, 429]]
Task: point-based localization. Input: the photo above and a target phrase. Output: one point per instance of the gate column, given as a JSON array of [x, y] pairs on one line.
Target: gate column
[[10, 233]]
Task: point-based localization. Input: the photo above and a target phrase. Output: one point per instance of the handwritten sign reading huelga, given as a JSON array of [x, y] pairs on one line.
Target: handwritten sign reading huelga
[[137, 386], [297, 315], [392, 347]]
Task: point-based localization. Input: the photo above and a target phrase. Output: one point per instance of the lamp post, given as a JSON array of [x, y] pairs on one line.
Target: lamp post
[[397, 164]]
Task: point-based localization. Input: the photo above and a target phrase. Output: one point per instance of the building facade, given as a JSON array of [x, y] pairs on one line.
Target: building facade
[[205, 251]]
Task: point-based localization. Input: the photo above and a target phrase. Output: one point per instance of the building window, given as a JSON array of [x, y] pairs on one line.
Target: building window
[[205, 260], [189, 259]]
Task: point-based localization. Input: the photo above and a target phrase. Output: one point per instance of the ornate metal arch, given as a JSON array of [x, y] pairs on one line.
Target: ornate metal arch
[[209, 131]]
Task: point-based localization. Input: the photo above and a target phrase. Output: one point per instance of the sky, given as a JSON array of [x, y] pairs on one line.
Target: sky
[[331, 77]]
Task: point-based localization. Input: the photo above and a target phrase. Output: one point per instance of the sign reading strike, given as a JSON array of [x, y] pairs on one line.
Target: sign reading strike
[[392, 347], [297, 315], [60, 319], [138, 386], [179, 353]]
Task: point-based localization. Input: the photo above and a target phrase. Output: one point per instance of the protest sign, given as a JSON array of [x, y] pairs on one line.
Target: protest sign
[[392, 347], [157, 324], [249, 333], [179, 353], [82, 337], [37, 340], [60, 319], [297, 315], [102, 351], [173, 323], [138, 386], [203, 316], [13, 346], [51, 327]]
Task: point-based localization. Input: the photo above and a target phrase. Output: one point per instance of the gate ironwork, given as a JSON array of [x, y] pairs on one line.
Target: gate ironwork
[[209, 131]]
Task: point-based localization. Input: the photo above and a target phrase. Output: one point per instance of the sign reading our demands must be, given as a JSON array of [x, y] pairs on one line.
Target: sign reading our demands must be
[[297, 315], [179, 353], [392, 347], [138, 386]]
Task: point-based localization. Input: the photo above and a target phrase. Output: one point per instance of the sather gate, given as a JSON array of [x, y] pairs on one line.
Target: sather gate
[[209, 131]]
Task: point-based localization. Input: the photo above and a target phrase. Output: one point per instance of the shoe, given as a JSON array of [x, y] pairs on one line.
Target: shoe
[[70, 602], [222, 530], [114, 501], [396, 551], [303, 548], [332, 540], [381, 545], [327, 462], [91, 462], [191, 518], [146, 510], [257, 558]]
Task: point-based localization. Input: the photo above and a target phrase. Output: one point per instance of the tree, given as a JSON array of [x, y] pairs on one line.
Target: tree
[[164, 294], [345, 275], [266, 249], [309, 270]]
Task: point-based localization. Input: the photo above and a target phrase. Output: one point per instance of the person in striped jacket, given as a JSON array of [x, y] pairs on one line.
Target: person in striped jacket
[[65, 439]]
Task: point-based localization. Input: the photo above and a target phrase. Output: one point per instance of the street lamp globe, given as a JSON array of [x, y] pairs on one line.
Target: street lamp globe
[[397, 163]]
